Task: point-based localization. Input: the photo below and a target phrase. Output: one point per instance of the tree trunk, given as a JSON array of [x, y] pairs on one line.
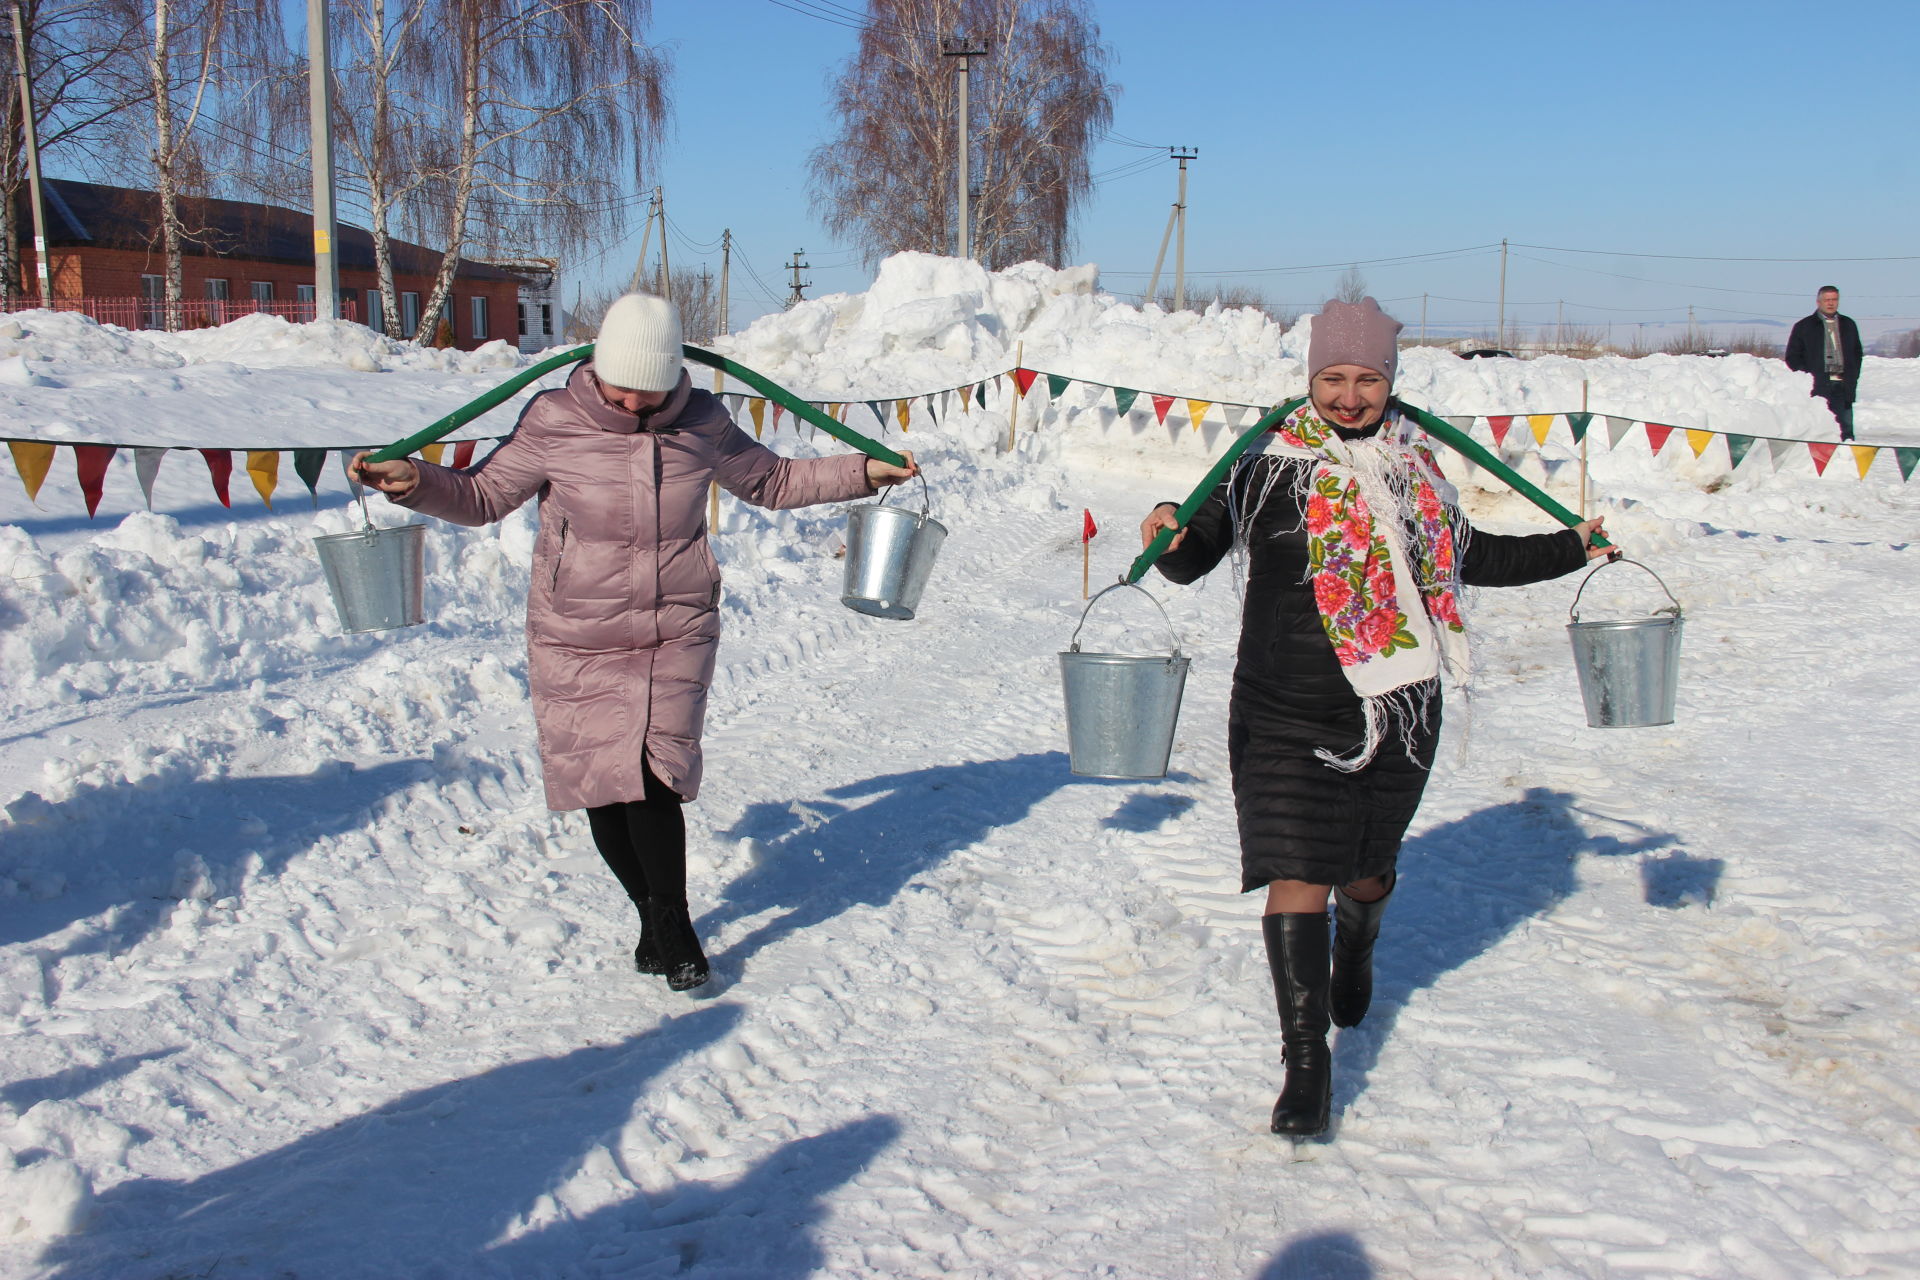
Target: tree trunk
[[464, 180], [172, 235]]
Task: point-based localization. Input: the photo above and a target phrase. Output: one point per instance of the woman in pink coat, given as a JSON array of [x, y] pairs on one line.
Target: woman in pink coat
[[623, 619]]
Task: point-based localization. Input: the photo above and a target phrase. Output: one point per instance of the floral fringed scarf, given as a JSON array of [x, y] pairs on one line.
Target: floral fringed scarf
[[1363, 499]]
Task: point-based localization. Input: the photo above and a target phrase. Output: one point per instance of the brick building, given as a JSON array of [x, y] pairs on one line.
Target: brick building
[[103, 244]]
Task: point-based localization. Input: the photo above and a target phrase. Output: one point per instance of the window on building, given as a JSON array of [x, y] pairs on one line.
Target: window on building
[[409, 314], [376, 310], [262, 290], [217, 290], [522, 309], [546, 319], [153, 293], [478, 306], [306, 292]]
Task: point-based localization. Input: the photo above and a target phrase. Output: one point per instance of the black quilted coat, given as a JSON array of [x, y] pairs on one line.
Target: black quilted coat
[[1299, 818]]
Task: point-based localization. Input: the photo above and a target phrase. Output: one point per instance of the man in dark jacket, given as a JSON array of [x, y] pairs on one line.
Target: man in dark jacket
[[1826, 344]]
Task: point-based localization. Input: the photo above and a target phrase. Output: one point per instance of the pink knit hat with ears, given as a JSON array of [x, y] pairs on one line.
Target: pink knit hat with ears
[[1354, 333]]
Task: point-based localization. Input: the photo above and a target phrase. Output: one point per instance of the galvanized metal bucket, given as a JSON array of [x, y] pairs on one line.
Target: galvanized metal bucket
[[1629, 667], [890, 552], [1121, 708], [377, 576]]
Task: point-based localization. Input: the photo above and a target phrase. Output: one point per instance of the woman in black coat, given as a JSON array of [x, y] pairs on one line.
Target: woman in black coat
[[1355, 553]]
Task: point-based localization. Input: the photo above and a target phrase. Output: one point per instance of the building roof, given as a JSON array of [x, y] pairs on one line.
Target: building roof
[[88, 213]]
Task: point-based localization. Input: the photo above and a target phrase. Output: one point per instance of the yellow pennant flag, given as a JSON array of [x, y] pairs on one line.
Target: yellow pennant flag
[[758, 409], [263, 465], [1541, 424], [1196, 410], [33, 461], [903, 410], [966, 399], [1699, 440], [432, 452], [1863, 456]]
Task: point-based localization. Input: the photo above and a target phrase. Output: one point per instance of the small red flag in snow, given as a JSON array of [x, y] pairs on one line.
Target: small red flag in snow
[[1088, 528]]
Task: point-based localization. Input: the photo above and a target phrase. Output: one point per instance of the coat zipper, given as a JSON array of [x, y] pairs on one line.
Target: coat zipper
[[555, 584]]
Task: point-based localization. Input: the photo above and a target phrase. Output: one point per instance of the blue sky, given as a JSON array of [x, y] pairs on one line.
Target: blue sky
[[1346, 132]]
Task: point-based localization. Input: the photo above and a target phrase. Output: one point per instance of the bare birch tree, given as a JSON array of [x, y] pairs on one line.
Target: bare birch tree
[[1038, 99], [551, 103]]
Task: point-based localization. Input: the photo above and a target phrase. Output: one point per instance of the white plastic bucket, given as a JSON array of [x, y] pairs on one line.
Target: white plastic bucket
[[377, 576], [1121, 708], [890, 553], [1629, 668]]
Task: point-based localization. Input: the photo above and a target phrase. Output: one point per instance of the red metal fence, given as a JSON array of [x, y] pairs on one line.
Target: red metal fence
[[189, 313]]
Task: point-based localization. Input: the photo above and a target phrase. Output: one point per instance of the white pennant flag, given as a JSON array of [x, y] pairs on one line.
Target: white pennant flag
[[146, 465]]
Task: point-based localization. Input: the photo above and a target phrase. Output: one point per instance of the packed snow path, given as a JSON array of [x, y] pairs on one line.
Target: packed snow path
[[972, 1015]]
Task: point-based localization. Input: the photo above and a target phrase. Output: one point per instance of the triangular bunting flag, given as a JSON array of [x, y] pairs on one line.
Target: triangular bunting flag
[[778, 409], [757, 410], [1737, 447], [980, 393], [1236, 415], [146, 465], [903, 409], [1123, 398], [1698, 440], [1541, 424], [431, 452], [1461, 422], [1616, 429], [220, 467], [1906, 457], [1160, 406], [264, 466], [1657, 434], [1577, 423], [1056, 383], [1196, 410], [1822, 454], [1500, 427], [1781, 449], [933, 407], [32, 461], [1863, 456], [309, 463], [1023, 378], [966, 399], [90, 464], [462, 456], [879, 412], [734, 400]]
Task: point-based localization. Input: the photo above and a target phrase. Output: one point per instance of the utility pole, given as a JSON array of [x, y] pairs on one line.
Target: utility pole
[[1423, 319], [1560, 325], [666, 272], [962, 47], [796, 266], [655, 207], [326, 270], [1182, 154], [42, 267], [726, 268], [1501, 341]]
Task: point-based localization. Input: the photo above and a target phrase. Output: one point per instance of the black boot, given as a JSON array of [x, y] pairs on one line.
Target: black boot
[[1355, 926], [646, 953], [1297, 954], [680, 956]]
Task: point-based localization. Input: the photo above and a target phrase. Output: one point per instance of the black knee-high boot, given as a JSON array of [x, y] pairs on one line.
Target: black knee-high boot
[[613, 837], [1355, 926], [1297, 954]]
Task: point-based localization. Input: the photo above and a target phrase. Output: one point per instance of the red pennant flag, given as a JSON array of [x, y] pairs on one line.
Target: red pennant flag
[[1822, 455], [1500, 426], [90, 461], [463, 454], [778, 409], [220, 467], [1023, 378], [1160, 406], [1088, 528], [1657, 437]]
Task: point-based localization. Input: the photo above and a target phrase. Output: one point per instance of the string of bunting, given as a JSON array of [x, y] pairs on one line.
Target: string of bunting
[[34, 459]]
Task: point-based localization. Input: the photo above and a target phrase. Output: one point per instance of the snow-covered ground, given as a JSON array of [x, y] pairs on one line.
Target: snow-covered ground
[[298, 977]]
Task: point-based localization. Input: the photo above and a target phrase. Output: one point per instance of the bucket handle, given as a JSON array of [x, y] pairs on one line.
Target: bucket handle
[[926, 496], [1074, 645], [358, 490], [1573, 612]]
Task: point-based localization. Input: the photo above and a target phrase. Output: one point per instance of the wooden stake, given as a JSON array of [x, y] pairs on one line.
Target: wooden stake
[[1013, 415]]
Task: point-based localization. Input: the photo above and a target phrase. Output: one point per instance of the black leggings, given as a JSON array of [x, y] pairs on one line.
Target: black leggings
[[644, 842]]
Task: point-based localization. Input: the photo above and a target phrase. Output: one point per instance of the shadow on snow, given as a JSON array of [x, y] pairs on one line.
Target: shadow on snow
[[1325, 1255]]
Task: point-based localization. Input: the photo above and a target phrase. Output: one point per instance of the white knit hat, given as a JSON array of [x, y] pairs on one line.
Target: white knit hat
[[639, 344]]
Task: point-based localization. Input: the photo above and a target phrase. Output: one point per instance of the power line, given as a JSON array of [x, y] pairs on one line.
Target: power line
[[1327, 266], [1688, 257]]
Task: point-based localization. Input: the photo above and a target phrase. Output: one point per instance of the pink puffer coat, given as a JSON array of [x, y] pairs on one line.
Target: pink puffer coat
[[623, 620]]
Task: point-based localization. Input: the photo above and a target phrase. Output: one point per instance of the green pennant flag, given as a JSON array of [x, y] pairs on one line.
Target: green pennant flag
[[1737, 447], [1056, 383], [1123, 398], [879, 408], [307, 464], [1616, 428], [1906, 457], [1577, 423], [980, 394]]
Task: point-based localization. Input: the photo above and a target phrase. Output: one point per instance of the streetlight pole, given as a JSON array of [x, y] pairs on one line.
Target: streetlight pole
[[326, 270], [962, 47], [1182, 154]]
